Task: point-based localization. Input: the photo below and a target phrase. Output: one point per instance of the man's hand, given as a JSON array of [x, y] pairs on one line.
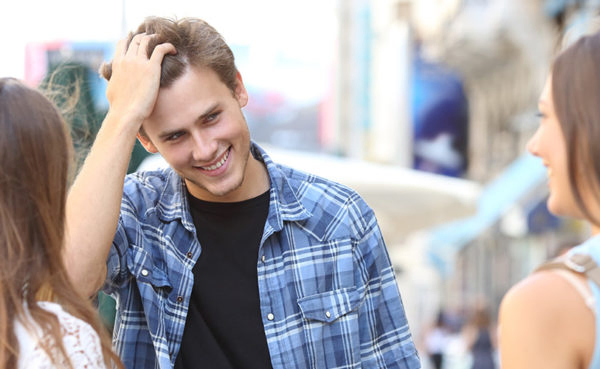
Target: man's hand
[[135, 81]]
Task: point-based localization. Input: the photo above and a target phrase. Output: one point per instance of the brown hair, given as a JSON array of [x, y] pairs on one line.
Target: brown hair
[[481, 317], [576, 97], [197, 43], [35, 156]]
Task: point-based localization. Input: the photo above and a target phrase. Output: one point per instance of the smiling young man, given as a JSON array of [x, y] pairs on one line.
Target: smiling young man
[[225, 259]]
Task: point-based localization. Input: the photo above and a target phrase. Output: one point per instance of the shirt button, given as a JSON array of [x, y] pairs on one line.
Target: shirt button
[[328, 314], [145, 272], [270, 316], [189, 255], [179, 298], [263, 258]]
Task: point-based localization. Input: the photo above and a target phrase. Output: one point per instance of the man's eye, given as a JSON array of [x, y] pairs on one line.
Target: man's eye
[[174, 136], [212, 117]]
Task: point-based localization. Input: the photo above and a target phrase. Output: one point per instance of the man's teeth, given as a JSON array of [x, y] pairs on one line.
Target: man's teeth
[[219, 164]]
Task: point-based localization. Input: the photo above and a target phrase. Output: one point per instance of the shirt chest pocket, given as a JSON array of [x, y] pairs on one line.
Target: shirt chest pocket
[[331, 319], [143, 268], [329, 306]]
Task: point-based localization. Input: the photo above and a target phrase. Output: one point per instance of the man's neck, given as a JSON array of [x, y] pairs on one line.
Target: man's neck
[[257, 177]]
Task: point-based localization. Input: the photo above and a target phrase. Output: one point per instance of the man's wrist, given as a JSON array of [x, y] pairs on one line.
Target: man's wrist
[[122, 124]]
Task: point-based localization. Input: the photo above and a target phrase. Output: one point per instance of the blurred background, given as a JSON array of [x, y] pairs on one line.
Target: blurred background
[[423, 106]]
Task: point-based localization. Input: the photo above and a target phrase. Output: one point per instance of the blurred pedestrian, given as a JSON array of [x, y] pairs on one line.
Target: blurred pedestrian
[[550, 319], [436, 340], [44, 322], [481, 339]]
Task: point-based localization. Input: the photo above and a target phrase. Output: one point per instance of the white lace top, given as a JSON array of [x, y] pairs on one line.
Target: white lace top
[[79, 339]]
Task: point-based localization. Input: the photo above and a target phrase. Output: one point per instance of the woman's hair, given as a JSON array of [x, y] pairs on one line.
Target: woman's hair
[[197, 43], [481, 317], [576, 97], [35, 157]]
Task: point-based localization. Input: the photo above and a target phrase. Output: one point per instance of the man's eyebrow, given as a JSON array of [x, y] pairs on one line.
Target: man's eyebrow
[[207, 112]]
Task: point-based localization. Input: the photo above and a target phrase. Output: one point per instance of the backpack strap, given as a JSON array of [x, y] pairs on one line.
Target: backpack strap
[[578, 263]]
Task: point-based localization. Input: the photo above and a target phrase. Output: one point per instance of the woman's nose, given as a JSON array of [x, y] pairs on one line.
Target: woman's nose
[[533, 144]]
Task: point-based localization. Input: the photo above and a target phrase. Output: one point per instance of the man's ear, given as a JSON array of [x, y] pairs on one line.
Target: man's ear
[[145, 141], [240, 91]]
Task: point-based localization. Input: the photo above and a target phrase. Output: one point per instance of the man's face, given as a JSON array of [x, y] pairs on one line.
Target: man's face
[[198, 127]]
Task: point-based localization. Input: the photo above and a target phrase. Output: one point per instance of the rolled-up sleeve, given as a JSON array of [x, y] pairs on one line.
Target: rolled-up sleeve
[[116, 264]]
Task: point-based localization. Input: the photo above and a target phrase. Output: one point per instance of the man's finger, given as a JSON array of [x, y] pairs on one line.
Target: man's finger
[[134, 45], [143, 45], [161, 50], [120, 48]]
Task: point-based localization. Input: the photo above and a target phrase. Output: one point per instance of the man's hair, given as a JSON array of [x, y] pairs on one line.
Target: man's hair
[[197, 43], [576, 97]]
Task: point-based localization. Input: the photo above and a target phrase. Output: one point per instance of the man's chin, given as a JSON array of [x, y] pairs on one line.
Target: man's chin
[[221, 192]]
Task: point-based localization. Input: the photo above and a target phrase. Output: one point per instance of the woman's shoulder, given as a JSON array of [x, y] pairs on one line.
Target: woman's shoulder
[[543, 321], [71, 325], [80, 340], [541, 294]]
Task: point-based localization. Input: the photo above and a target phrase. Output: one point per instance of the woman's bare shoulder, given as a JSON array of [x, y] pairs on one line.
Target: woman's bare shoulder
[[545, 323]]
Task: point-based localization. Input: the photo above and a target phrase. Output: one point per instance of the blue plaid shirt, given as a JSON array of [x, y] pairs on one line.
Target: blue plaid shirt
[[328, 295]]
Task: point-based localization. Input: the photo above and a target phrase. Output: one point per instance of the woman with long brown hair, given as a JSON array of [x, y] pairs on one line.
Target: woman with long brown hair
[[552, 318], [44, 322]]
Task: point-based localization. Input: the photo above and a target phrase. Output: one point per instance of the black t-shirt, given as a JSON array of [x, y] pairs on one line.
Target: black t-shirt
[[224, 329]]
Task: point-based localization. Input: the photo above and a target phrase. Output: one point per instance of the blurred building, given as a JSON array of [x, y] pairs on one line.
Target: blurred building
[[502, 50]]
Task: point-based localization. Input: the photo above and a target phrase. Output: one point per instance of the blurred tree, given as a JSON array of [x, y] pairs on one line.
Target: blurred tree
[[69, 84]]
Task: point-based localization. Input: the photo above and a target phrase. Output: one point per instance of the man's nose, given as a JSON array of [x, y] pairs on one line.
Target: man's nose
[[203, 148]]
